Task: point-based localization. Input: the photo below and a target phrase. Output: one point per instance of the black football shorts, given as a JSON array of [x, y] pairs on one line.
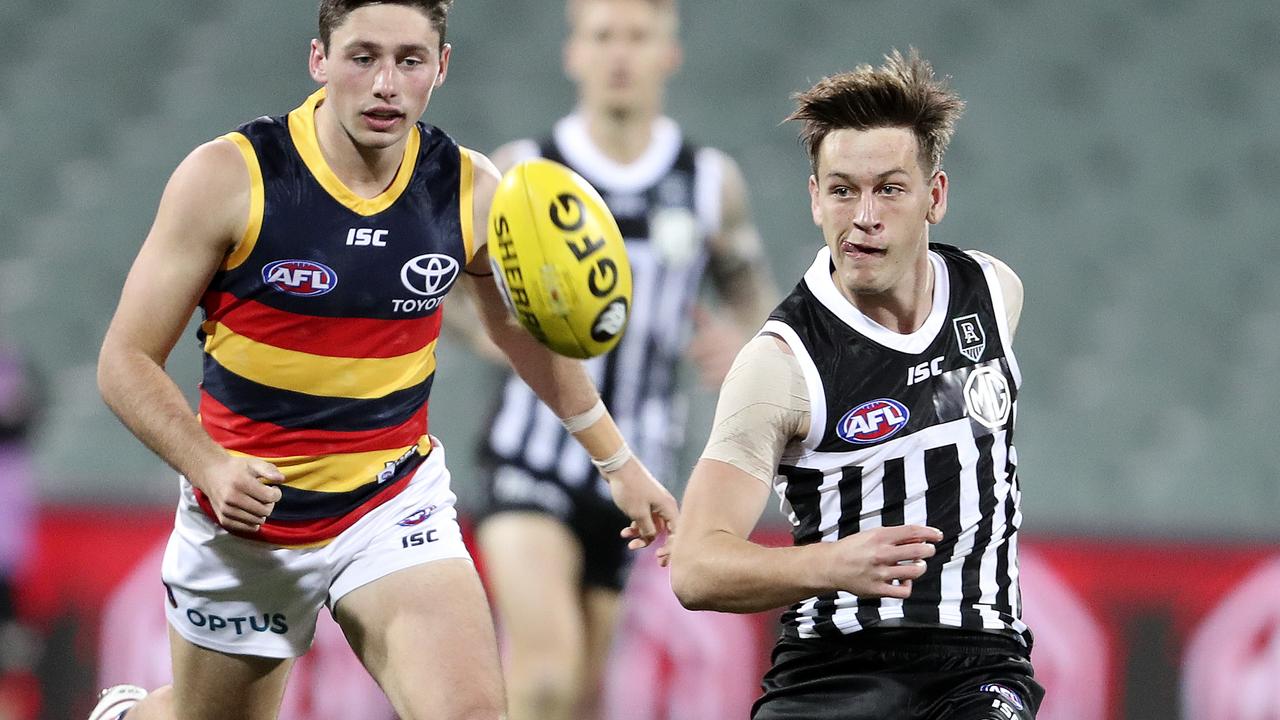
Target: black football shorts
[[900, 674]]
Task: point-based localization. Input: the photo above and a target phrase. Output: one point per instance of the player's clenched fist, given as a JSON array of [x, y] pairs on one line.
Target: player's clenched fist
[[241, 493], [881, 562]]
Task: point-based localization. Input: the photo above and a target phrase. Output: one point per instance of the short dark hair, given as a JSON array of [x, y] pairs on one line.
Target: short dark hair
[[901, 93], [333, 12]]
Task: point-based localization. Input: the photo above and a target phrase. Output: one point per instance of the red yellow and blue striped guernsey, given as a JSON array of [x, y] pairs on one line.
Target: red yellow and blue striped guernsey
[[320, 327]]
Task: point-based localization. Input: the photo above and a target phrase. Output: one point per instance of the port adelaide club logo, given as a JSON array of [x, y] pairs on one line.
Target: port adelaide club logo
[[971, 336]]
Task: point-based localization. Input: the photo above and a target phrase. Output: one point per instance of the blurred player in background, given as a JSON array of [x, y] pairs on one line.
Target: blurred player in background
[[21, 406], [879, 401], [552, 555], [318, 246]]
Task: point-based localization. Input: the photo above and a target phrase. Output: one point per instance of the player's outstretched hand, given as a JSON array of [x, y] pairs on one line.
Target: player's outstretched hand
[[651, 508], [241, 492], [881, 562]]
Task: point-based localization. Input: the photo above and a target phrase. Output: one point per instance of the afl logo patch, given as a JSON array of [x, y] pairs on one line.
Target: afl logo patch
[[304, 278], [417, 517], [873, 421], [430, 275]]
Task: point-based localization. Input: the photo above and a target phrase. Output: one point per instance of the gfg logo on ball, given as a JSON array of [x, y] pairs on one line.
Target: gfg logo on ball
[[430, 275], [568, 214]]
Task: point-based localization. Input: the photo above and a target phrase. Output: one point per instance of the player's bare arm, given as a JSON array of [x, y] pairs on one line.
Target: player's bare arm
[[562, 383], [463, 319], [1010, 288], [739, 271], [715, 566], [202, 214]]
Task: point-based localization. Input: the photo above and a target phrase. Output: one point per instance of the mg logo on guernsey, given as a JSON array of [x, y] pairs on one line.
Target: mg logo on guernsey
[[873, 421], [304, 278], [987, 397]]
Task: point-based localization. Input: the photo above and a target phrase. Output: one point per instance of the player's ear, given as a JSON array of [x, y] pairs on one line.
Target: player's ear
[[813, 201], [937, 198], [675, 58], [446, 51], [568, 57], [316, 62]]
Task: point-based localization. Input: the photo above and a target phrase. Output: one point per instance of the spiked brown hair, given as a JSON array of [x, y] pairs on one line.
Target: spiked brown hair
[[901, 93]]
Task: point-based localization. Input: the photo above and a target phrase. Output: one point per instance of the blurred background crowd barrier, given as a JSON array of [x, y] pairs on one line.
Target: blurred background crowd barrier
[[1121, 156]]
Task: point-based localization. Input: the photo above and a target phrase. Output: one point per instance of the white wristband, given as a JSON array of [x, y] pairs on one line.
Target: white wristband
[[615, 461], [584, 420]]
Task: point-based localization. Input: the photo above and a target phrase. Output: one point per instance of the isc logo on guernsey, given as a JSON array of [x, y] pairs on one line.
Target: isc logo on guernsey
[[304, 278], [873, 421]]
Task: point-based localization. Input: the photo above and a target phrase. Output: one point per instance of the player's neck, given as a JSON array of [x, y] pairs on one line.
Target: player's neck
[[364, 170], [621, 137], [904, 308]]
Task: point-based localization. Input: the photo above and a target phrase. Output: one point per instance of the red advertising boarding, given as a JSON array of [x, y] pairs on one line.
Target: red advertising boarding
[[1124, 630]]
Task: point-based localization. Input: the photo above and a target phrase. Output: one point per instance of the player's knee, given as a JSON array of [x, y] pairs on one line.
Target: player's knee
[[157, 705], [483, 711], [467, 704], [544, 692], [487, 711]]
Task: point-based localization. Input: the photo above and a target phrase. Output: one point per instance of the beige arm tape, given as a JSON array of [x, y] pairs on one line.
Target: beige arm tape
[[764, 404], [584, 420], [600, 437]]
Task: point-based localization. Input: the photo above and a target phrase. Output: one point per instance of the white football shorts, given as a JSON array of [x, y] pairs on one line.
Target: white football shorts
[[246, 597]]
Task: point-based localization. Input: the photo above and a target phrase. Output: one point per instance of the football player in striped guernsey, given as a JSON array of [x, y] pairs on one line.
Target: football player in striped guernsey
[[319, 246], [553, 558], [878, 401]]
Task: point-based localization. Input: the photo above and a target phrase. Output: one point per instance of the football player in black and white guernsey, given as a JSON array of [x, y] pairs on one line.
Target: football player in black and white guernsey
[[548, 534], [879, 402]]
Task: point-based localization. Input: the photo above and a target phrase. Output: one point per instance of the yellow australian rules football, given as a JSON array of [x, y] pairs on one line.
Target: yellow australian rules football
[[559, 259]]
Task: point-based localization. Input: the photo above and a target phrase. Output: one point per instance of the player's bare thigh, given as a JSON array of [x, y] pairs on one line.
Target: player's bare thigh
[[209, 685], [426, 635], [534, 567]]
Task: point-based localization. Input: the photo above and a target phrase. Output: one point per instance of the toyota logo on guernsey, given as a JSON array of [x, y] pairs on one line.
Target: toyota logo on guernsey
[[304, 278], [429, 275], [873, 421]]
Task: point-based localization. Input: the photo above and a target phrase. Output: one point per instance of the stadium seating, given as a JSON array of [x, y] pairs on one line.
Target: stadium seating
[[1123, 160]]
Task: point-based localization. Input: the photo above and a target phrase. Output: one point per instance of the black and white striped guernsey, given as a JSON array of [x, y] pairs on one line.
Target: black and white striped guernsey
[[666, 203], [908, 429]]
